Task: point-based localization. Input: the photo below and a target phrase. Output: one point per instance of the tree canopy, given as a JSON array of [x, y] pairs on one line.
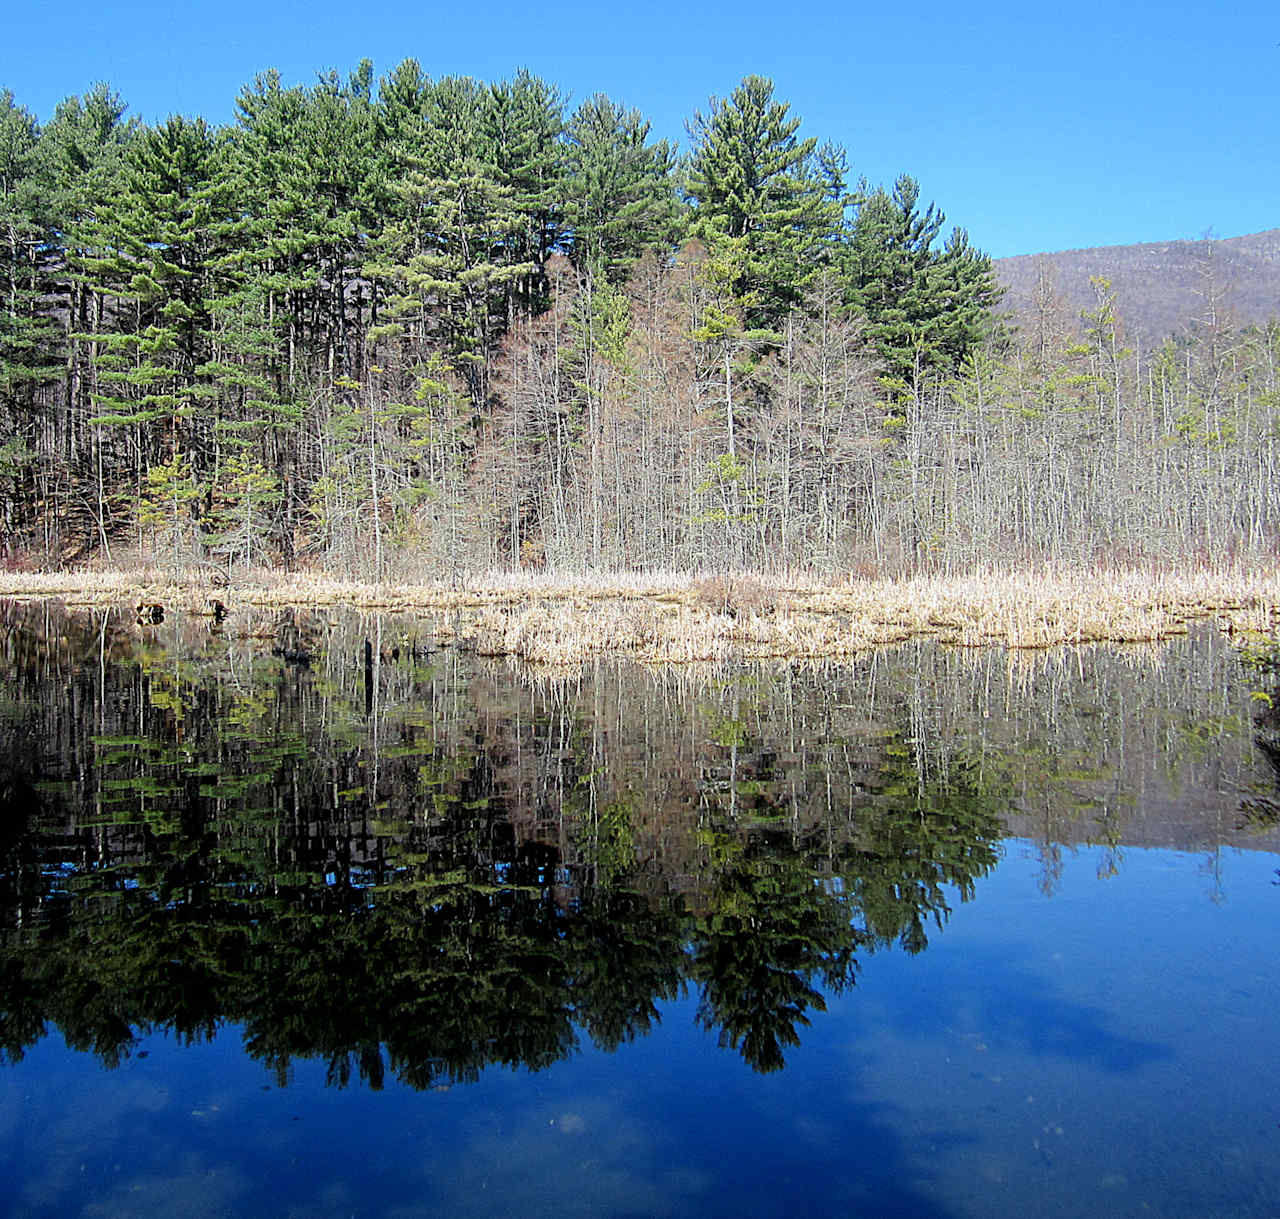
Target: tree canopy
[[759, 201], [926, 307]]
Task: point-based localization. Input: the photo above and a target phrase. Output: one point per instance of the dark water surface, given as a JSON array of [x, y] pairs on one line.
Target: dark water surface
[[933, 934]]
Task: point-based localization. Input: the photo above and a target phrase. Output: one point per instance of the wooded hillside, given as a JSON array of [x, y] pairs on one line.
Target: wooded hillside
[[1162, 288]]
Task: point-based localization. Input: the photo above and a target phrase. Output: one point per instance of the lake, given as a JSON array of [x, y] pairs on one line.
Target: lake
[[311, 914]]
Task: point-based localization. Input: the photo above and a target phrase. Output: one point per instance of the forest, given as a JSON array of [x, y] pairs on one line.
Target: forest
[[405, 327]]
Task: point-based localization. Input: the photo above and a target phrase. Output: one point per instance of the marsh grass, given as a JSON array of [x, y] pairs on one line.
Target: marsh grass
[[560, 620]]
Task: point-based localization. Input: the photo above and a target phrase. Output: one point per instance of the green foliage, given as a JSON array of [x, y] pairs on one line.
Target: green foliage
[[760, 201], [723, 473], [470, 217], [155, 263], [27, 243], [619, 194], [307, 183], [244, 498], [599, 326], [926, 308], [166, 507]]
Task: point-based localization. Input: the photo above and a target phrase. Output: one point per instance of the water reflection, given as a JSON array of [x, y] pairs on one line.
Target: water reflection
[[370, 850]]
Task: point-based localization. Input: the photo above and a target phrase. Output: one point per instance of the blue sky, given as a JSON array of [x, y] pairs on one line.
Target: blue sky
[[1035, 130]]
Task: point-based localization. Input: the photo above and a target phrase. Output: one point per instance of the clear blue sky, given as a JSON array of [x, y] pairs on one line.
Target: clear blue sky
[[1034, 130]]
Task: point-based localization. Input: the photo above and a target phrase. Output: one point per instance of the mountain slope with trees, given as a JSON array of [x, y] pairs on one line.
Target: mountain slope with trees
[[1161, 287]]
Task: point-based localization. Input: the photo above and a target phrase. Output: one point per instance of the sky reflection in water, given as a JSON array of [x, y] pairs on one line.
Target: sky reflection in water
[[1064, 1056]]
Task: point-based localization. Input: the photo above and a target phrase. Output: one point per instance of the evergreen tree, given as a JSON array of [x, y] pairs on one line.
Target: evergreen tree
[[26, 330], [81, 154], [309, 185], [523, 122], [81, 164], [29, 347], [926, 308], [243, 502], [307, 181], [167, 505], [400, 114], [619, 194], [760, 204], [156, 261], [451, 264]]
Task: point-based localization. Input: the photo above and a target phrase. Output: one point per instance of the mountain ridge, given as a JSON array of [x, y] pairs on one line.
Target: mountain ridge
[[1162, 288]]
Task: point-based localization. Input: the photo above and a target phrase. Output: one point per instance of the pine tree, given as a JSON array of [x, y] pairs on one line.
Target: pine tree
[[619, 189], [294, 308], [926, 308], [307, 181], [243, 502], [81, 155], [167, 508], [400, 115], [760, 204], [156, 262], [523, 122], [29, 340], [81, 162], [451, 264]]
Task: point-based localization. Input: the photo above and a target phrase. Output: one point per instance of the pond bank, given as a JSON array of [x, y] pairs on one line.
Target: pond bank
[[673, 618]]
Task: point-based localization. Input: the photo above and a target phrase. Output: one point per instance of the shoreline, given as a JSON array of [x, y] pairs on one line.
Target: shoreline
[[560, 620]]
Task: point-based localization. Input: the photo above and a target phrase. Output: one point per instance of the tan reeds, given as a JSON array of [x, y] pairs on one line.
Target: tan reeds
[[561, 619]]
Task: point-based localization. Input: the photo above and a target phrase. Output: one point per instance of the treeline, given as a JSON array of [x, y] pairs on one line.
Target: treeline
[[417, 326]]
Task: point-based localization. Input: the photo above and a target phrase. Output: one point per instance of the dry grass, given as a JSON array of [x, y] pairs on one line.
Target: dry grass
[[561, 620]]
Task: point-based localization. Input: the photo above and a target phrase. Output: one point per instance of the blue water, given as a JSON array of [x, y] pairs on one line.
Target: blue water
[[1112, 1049]]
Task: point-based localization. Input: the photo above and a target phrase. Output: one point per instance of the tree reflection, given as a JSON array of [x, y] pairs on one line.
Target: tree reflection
[[772, 932], [451, 885]]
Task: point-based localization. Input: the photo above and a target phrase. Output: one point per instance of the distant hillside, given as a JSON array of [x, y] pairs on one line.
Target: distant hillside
[[1161, 286]]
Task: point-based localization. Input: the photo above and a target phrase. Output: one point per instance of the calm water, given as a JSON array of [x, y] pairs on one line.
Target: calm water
[[934, 934]]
